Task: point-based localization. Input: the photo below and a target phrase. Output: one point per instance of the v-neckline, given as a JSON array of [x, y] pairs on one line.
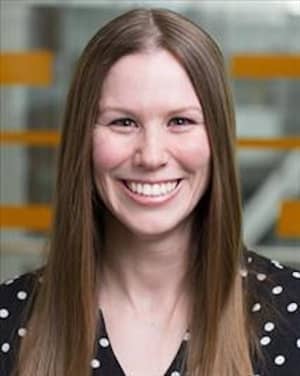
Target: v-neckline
[[175, 363]]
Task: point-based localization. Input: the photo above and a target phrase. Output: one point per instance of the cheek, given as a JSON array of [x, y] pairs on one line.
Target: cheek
[[194, 153], [108, 153]]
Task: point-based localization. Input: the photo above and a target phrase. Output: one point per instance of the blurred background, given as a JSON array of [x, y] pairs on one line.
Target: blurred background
[[40, 43]]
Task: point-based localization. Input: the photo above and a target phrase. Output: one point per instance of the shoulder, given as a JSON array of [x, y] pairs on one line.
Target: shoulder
[[275, 307], [16, 295], [274, 286], [271, 278]]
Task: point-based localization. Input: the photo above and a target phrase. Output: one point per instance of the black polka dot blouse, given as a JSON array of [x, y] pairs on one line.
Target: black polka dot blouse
[[274, 306]]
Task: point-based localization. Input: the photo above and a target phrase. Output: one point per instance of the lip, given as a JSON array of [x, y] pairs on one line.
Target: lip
[[151, 181], [148, 200]]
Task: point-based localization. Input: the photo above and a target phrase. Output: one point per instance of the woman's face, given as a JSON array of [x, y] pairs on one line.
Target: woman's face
[[151, 153]]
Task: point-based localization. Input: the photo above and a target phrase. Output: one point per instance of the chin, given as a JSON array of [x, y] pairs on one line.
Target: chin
[[152, 231]]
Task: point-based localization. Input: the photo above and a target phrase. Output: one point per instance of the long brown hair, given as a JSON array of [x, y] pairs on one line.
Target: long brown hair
[[62, 328]]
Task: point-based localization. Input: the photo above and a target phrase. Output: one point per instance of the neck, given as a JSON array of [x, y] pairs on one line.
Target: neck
[[146, 275]]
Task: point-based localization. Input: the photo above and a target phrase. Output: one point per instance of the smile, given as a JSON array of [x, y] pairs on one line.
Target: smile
[[152, 189]]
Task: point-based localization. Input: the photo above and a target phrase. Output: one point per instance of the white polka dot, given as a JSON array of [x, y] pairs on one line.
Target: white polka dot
[[4, 313], [292, 307], [277, 290], [104, 342], [261, 276], [5, 347], [22, 332], [279, 360], [244, 273], [298, 343], [175, 373], [11, 280], [249, 259], [187, 336], [269, 326], [277, 264], [22, 295], [265, 340], [256, 307], [95, 363], [296, 274]]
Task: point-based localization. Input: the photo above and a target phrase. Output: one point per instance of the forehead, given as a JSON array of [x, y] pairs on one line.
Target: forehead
[[148, 77]]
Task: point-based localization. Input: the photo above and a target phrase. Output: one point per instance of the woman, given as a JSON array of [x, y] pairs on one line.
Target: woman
[[147, 275]]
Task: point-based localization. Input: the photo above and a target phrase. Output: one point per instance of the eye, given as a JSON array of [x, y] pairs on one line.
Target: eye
[[181, 121], [124, 122]]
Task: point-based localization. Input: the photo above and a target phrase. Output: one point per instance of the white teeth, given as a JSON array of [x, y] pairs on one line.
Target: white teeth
[[147, 189], [151, 189], [156, 189]]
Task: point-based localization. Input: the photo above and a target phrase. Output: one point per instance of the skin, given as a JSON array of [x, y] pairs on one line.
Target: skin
[[146, 261]]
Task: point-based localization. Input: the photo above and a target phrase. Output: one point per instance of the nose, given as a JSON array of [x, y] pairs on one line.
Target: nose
[[151, 151]]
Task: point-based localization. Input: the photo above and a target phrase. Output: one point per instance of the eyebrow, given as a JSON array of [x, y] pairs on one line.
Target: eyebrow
[[130, 111]]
